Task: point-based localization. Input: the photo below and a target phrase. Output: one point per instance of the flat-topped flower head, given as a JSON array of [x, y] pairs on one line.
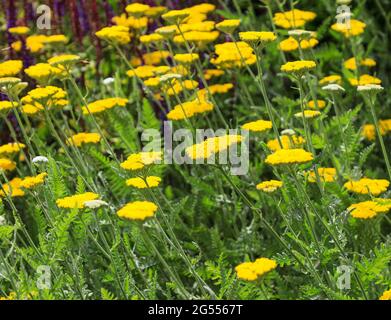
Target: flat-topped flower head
[[7, 164], [257, 38], [371, 88], [289, 156], [351, 63], [363, 80], [31, 182], [151, 38], [333, 87], [298, 67], [140, 183], [82, 138], [167, 31], [7, 82], [269, 186], [138, 161], [176, 16], [325, 175], [76, 201], [293, 19], [386, 295], [115, 34], [6, 105], [334, 78], [137, 9], [258, 126], [189, 109], [10, 68], [197, 38], [186, 58], [11, 148], [251, 271], [228, 26], [369, 209], [368, 186], [12, 188], [65, 60], [101, 105], [22, 30], [318, 104], [95, 204], [290, 141], [44, 72], [55, 39], [350, 28], [291, 44], [138, 210], [308, 114]]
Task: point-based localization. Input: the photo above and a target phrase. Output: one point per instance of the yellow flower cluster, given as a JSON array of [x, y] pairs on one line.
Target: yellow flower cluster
[[139, 160], [257, 37], [364, 80], [76, 201], [321, 104], [117, 34], [369, 209], [31, 182], [7, 164], [325, 175], [386, 295], [269, 186], [231, 55], [146, 71], [308, 114], [35, 43], [228, 26], [79, 139], [138, 210], [212, 146], [288, 142], [349, 29], [368, 186], [140, 183], [6, 105], [334, 78], [298, 66], [12, 147], [150, 58], [258, 126], [12, 189], [43, 72], [10, 68], [189, 109], [186, 58], [213, 73], [351, 63], [22, 30], [176, 86], [293, 19], [289, 156], [104, 104], [291, 44], [39, 98], [251, 271], [198, 38]]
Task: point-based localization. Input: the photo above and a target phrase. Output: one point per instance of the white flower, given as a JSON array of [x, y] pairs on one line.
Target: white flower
[[333, 87], [39, 159], [300, 32], [288, 132], [108, 81], [370, 87], [93, 204], [170, 76], [2, 221]]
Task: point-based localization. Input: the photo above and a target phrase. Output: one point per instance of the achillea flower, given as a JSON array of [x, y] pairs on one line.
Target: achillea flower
[[251, 271], [176, 87], [351, 63], [152, 82], [140, 183], [333, 87], [212, 146], [152, 58], [386, 295], [12, 189], [151, 38], [186, 58], [231, 55], [116, 34], [19, 30], [79, 139], [325, 175], [269, 186], [257, 37], [370, 88], [76, 201], [320, 103], [64, 60], [43, 72], [40, 159], [104, 104], [12, 147], [55, 39], [94, 204], [6, 105], [10, 68], [288, 142], [352, 28], [138, 210], [138, 161], [369, 209], [189, 109], [368, 186], [204, 26], [167, 31], [31, 182], [48, 96], [154, 12], [334, 78], [144, 72], [289, 156], [298, 66], [308, 114], [228, 26], [368, 131], [293, 19], [137, 9], [176, 16], [291, 44], [7, 164], [198, 38], [258, 126], [212, 73]]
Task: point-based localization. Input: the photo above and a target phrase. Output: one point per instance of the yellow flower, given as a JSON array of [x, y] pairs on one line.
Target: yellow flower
[[154, 12], [48, 96], [152, 82], [10, 68], [369, 209], [308, 114], [334, 78], [6, 105], [138, 210], [203, 26], [368, 186], [288, 142], [143, 72], [386, 295], [6, 164], [211, 146], [176, 87], [140, 183], [12, 147], [42, 72], [291, 44], [31, 182], [325, 175], [257, 37], [321, 104], [212, 73], [298, 66], [167, 31], [352, 28], [19, 30], [176, 16], [103, 105], [155, 57], [351, 63], [228, 26], [364, 80], [55, 39], [64, 60], [369, 132], [186, 58], [150, 38], [76, 201], [289, 156], [116, 34], [269, 186], [189, 109], [83, 138], [199, 38], [293, 19], [251, 271], [231, 55], [140, 160], [12, 189], [258, 126], [137, 9]]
